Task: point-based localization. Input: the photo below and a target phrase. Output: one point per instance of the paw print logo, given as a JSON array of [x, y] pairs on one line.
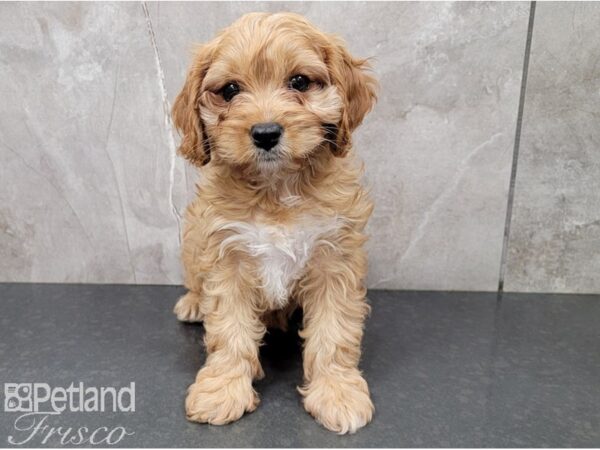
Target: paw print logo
[[17, 397]]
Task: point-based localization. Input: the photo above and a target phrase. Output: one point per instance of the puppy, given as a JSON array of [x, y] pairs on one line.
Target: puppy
[[267, 111]]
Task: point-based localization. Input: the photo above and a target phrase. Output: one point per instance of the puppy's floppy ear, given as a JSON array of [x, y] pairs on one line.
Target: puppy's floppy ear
[[186, 114], [357, 88]]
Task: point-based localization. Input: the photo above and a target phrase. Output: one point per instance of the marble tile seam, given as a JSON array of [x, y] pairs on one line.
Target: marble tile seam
[[517, 143]]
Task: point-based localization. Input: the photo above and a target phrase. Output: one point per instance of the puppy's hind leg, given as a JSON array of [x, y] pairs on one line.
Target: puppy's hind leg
[[188, 308]]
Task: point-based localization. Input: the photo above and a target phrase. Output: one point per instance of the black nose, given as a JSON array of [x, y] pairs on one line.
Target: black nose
[[266, 135]]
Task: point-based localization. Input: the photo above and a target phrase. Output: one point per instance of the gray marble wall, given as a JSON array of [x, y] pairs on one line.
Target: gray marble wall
[[92, 190], [555, 232]]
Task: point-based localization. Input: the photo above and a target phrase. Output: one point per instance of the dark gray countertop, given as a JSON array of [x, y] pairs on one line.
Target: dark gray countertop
[[445, 369]]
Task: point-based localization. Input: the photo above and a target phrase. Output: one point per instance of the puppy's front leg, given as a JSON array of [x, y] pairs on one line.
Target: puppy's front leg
[[334, 305], [223, 388]]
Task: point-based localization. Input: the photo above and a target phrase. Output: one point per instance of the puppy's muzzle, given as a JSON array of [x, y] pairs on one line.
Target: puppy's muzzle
[[266, 135]]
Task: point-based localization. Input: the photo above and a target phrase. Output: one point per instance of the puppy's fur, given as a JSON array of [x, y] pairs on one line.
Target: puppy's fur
[[270, 231]]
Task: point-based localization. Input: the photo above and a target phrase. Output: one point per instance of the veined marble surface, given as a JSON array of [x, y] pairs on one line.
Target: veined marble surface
[[92, 190], [555, 234], [88, 185]]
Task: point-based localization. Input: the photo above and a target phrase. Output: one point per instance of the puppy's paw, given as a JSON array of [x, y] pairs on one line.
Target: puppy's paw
[[187, 308], [220, 400], [340, 404]]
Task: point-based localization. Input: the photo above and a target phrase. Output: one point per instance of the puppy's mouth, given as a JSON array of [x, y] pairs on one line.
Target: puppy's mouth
[[270, 156]]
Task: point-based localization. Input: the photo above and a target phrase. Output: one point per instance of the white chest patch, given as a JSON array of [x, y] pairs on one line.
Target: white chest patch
[[282, 250]]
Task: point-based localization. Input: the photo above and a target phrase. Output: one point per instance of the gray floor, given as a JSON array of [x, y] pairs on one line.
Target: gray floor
[[445, 369]]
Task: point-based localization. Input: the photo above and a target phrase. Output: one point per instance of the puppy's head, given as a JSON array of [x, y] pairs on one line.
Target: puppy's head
[[271, 91]]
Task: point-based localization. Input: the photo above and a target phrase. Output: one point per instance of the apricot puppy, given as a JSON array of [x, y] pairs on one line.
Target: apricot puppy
[[267, 111]]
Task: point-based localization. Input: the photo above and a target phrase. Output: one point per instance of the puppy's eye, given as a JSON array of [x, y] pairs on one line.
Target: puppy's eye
[[229, 91], [299, 83]]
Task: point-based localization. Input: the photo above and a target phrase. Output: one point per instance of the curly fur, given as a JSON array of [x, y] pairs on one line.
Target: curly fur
[[264, 237]]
